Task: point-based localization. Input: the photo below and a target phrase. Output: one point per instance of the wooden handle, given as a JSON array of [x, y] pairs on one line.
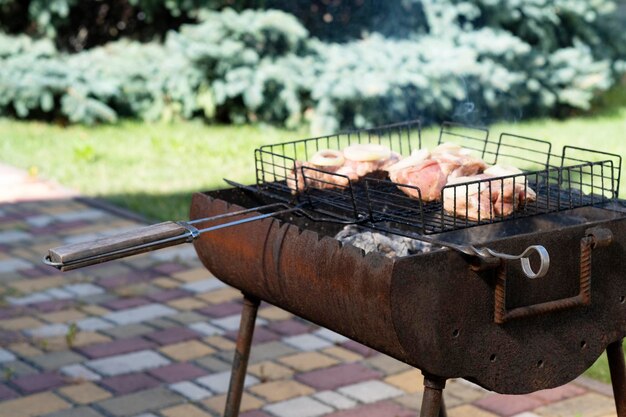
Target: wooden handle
[[82, 254]]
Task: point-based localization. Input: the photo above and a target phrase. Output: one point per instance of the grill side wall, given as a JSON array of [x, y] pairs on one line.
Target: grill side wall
[[315, 278]]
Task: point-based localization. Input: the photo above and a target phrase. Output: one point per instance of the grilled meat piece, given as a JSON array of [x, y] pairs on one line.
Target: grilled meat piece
[[328, 177], [494, 197], [426, 175]]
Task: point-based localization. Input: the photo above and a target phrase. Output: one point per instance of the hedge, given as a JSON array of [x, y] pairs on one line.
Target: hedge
[[473, 61]]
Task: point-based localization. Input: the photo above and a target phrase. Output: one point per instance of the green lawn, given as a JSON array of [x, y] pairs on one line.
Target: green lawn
[[149, 168], [153, 168]]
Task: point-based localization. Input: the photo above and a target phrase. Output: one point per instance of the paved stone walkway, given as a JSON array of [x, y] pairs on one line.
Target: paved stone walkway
[[152, 336]]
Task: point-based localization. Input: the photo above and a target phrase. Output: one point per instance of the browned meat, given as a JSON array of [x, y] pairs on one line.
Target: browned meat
[[427, 175], [495, 197], [335, 176]]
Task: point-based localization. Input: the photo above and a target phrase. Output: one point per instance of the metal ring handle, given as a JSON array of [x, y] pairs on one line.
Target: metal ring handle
[[524, 258]]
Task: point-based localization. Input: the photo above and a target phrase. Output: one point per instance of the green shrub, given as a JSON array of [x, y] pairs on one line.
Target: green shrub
[[475, 64]]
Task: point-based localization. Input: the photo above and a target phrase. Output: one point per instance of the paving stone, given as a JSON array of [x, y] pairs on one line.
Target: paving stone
[[275, 391], [206, 329], [184, 410], [59, 294], [7, 393], [12, 236], [414, 401], [469, 410], [269, 351], [93, 324], [290, 327], [298, 407], [331, 336], [12, 265], [220, 343], [222, 310], [177, 372], [261, 335], [161, 323], [29, 299], [337, 376], [139, 314], [20, 323], [186, 318], [84, 393], [387, 365], [127, 363], [342, 354], [213, 364], [116, 347], [203, 286], [76, 412], [49, 330], [89, 214], [221, 295], [255, 413], [86, 338], [187, 304], [84, 290], [588, 405], [173, 335], [190, 390], [127, 280], [65, 316], [79, 372], [370, 391], [218, 383], [308, 361], [218, 402], [125, 303], [409, 381], [558, 394], [56, 360], [6, 356], [270, 371], [140, 402], [128, 331], [24, 349], [51, 306], [33, 405], [168, 295], [126, 384], [37, 285], [167, 283], [193, 275], [187, 350], [362, 350], [169, 268], [307, 342], [335, 400], [17, 368], [507, 405], [380, 409], [174, 254], [464, 391], [38, 382]]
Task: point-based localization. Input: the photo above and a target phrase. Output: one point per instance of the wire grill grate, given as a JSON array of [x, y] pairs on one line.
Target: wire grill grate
[[575, 178]]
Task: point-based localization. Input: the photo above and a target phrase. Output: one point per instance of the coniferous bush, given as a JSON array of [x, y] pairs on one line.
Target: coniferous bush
[[473, 61]]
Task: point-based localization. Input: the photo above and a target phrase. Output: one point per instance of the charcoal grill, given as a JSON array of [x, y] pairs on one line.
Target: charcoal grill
[[465, 310]]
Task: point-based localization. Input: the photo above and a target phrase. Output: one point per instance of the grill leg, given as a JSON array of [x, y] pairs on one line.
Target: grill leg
[[240, 362], [432, 402], [618, 376]]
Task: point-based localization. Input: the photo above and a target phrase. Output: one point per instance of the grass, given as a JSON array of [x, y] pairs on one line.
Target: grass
[[148, 168], [153, 168]]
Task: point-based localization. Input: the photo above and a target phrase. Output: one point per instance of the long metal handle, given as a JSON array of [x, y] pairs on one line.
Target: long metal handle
[[146, 239]]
